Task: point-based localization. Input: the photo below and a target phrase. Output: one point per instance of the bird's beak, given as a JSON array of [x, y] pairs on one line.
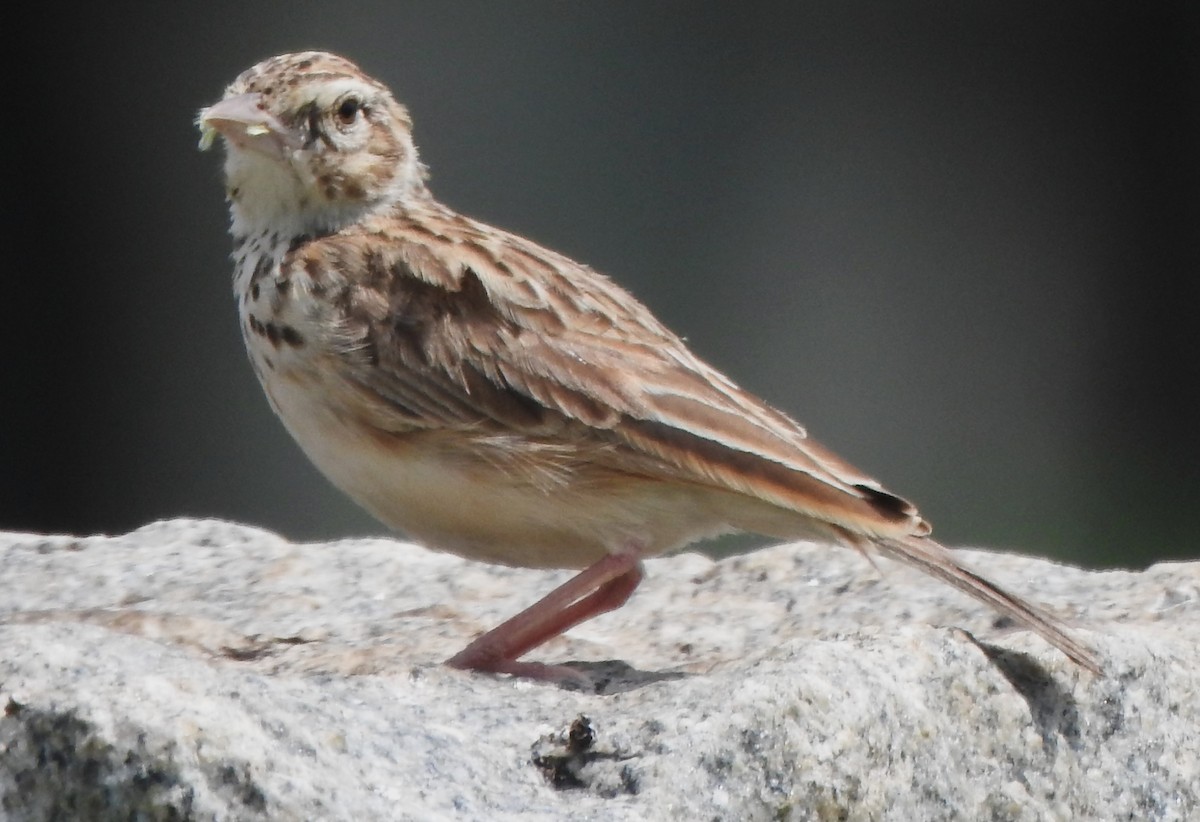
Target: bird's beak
[[243, 122]]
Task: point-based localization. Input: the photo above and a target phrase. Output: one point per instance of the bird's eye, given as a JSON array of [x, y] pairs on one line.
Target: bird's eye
[[348, 111]]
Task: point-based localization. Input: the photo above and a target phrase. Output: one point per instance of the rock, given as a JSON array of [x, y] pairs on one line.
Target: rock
[[204, 670]]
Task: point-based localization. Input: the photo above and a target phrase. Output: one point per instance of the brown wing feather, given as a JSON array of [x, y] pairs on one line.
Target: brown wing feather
[[474, 326]]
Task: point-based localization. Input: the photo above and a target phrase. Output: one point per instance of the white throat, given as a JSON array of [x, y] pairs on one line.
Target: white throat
[[267, 196]]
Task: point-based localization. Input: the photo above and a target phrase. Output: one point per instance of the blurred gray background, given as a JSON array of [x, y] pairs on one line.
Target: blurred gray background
[[959, 241]]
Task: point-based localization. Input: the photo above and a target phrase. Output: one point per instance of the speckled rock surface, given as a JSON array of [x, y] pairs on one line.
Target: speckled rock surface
[[203, 670]]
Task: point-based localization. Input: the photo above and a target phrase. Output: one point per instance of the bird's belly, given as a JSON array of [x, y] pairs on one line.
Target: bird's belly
[[438, 488]]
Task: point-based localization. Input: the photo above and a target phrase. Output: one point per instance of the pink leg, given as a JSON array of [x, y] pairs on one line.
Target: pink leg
[[603, 586]]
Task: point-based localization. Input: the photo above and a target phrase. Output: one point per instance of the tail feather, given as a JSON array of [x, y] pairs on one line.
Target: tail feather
[[938, 561]]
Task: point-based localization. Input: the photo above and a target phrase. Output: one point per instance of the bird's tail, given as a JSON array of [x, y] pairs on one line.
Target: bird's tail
[[938, 561]]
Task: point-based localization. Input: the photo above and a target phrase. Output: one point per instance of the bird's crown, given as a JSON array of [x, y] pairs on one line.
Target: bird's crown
[[313, 141]]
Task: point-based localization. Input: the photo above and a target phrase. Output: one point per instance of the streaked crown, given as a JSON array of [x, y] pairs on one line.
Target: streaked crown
[[313, 139]]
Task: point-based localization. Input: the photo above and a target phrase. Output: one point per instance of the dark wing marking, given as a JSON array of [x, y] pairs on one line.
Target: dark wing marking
[[471, 327]]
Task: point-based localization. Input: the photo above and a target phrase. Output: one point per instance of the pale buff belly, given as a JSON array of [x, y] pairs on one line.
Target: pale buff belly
[[444, 491]]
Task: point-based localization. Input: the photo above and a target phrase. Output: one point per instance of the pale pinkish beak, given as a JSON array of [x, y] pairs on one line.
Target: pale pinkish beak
[[242, 121]]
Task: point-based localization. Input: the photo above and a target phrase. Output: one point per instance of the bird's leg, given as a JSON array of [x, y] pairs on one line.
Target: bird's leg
[[602, 586]]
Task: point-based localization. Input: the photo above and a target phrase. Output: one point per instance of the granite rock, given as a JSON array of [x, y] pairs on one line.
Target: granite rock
[[205, 670]]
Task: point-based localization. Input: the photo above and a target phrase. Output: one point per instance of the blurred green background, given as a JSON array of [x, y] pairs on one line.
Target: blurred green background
[[958, 241]]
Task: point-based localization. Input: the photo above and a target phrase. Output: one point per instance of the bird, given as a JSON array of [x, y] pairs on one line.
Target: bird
[[494, 399]]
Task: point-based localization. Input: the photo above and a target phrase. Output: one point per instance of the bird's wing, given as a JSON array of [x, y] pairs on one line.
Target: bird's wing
[[468, 326]]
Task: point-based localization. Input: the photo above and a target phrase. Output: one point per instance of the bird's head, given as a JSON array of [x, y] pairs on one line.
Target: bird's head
[[312, 144]]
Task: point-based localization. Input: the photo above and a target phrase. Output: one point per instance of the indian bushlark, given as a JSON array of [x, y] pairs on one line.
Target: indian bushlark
[[493, 398]]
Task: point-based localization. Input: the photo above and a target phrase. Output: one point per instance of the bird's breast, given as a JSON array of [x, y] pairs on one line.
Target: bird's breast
[[500, 496]]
